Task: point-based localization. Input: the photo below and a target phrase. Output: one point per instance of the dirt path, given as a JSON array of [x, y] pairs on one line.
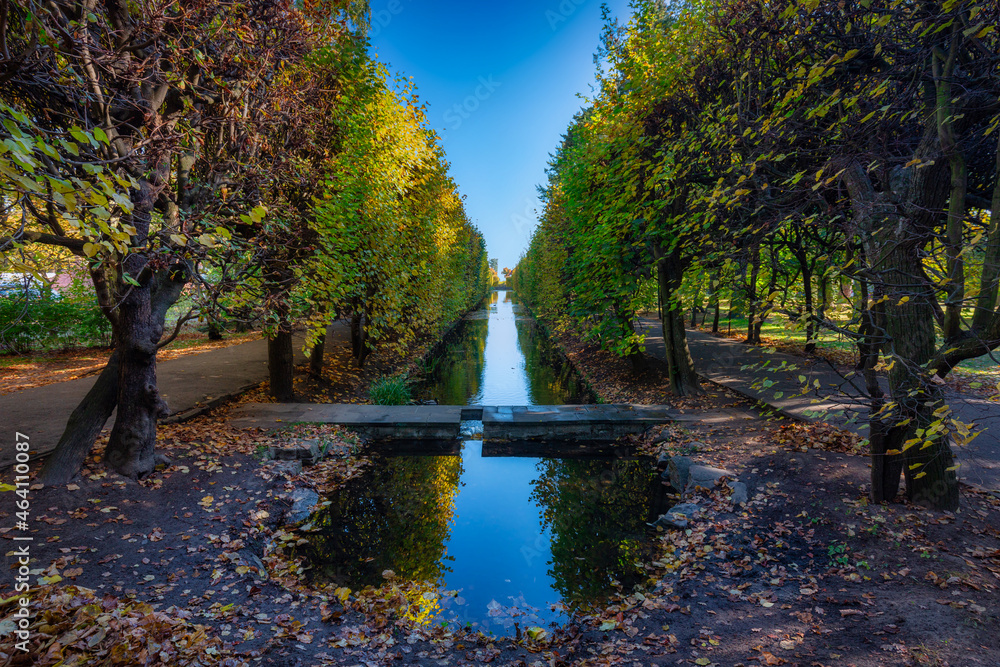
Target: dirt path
[[773, 377], [186, 383], [18, 373]]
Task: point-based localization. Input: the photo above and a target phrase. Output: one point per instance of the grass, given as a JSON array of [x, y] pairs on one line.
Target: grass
[[780, 330], [390, 391]]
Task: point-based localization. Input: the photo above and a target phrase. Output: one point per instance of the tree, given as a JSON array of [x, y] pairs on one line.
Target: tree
[[146, 121]]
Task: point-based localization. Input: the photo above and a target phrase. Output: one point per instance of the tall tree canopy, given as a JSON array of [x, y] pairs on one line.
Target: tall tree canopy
[[773, 147], [164, 144]]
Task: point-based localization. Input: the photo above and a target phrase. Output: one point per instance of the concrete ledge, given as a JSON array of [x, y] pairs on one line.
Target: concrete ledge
[[435, 422], [404, 422], [584, 422]]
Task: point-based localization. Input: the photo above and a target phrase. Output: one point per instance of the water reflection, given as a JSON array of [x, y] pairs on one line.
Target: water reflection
[[512, 535], [398, 517], [597, 512], [504, 359], [512, 538]]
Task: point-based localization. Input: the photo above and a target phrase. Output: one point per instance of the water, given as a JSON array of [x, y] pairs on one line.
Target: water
[[501, 357], [512, 539]]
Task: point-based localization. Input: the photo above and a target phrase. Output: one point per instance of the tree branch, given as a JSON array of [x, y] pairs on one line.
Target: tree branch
[[191, 314]]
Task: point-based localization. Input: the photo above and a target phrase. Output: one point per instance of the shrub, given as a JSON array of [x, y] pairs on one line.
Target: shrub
[[390, 391], [46, 322]]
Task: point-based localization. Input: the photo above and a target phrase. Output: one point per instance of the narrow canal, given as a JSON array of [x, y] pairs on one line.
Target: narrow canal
[[495, 540]]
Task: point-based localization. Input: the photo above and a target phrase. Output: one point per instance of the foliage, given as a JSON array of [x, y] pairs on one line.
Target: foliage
[[777, 152], [72, 625], [391, 391], [394, 245], [253, 149], [50, 322]]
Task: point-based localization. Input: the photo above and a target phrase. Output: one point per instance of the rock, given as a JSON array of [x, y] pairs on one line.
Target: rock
[[307, 450], [257, 568], [740, 493], [303, 500], [287, 469], [663, 461], [678, 516], [695, 446], [677, 471], [704, 476]]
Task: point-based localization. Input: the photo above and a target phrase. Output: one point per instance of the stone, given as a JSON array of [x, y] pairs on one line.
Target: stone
[[678, 516], [663, 461], [740, 493], [307, 450], [257, 568], [677, 471], [303, 500], [704, 477], [286, 469]]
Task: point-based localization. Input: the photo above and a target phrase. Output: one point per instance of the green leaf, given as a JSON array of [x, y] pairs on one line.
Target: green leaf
[[79, 135]]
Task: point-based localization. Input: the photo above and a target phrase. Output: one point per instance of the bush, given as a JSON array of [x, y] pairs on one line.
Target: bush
[[390, 391], [49, 322]]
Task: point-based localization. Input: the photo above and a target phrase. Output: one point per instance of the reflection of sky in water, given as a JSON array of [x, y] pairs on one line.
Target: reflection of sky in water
[[506, 381], [499, 551], [496, 550]]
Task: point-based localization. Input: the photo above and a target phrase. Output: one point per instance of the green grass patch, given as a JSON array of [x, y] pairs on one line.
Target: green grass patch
[[391, 391]]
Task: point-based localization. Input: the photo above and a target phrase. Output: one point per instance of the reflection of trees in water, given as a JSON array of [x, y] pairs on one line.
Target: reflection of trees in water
[[551, 381], [458, 370], [397, 517], [597, 511]]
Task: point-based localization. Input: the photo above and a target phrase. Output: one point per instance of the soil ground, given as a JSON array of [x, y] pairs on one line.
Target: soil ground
[[19, 372], [807, 573], [977, 377]]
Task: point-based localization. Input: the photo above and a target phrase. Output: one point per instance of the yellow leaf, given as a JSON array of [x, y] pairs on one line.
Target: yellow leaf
[[91, 249]]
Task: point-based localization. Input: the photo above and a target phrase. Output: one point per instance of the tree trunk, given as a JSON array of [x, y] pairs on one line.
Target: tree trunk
[[718, 315], [990, 280], [944, 64], [131, 448], [683, 378], [807, 289], [753, 331], [886, 468], [281, 364], [768, 305], [695, 306], [93, 412], [316, 356], [359, 339], [893, 250], [214, 330], [83, 427]]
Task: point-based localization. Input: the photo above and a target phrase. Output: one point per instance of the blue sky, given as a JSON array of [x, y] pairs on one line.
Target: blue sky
[[501, 81]]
